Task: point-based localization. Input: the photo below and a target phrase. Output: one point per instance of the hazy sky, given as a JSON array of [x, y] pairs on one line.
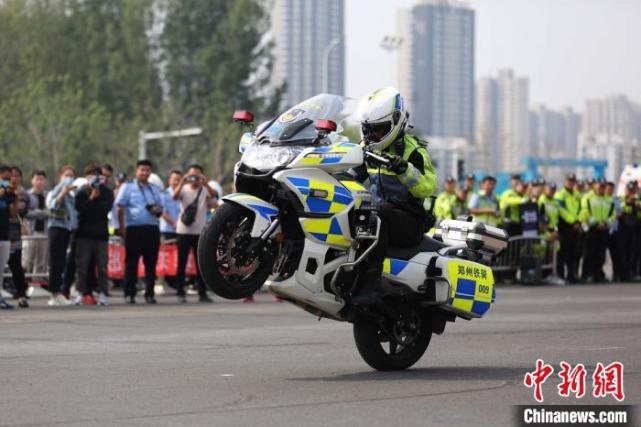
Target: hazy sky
[[570, 49]]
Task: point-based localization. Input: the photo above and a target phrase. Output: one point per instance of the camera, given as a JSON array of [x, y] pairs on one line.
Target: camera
[[192, 178], [154, 209], [95, 181]]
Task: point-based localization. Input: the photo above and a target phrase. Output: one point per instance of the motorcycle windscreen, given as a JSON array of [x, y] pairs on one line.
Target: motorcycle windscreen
[[298, 123]]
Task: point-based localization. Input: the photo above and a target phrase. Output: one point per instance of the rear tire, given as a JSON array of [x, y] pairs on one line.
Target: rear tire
[[230, 226], [371, 341]]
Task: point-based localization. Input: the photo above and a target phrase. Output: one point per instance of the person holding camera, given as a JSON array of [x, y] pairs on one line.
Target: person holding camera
[[196, 198], [93, 203], [140, 207], [63, 219]]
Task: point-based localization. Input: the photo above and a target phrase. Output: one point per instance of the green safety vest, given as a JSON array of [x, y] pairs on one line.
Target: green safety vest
[[509, 204], [597, 209], [569, 206], [550, 208], [487, 202], [459, 208], [629, 212], [444, 205]]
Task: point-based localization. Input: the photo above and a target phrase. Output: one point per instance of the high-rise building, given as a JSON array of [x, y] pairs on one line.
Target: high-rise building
[[618, 152], [502, 124], [572, 128], [436, 67], [613, 115], [309, 47], [486, 126], [553, 133], [611, 130]]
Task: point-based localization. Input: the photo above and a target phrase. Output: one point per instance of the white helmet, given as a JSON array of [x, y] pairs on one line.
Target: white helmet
[[383, 117]]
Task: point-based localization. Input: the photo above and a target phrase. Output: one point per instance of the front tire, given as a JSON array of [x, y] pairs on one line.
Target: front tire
[[408, 341], [221, 260]]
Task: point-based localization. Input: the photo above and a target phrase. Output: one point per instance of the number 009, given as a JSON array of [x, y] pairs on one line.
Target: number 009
[[484, 289]]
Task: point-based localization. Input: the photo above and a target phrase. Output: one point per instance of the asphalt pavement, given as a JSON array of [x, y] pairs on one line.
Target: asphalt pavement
[[269, 364]]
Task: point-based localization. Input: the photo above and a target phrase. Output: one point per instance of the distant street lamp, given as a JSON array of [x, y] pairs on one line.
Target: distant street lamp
[[326, 52], [143, 137], [391, 43]]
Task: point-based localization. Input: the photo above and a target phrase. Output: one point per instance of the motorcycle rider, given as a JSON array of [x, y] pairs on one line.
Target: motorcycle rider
[[398, 188]]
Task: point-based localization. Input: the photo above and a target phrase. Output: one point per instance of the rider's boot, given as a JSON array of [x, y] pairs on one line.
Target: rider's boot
[[370, 285]]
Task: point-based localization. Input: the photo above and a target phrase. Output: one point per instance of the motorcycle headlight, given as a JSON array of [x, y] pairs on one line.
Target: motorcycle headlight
[[264, 158]]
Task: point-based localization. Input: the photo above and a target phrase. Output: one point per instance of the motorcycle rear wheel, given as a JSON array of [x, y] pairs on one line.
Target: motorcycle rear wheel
[[412, 337], [217, 261]]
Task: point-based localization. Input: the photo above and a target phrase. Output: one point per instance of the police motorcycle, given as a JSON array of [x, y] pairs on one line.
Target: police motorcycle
[[301, 221]]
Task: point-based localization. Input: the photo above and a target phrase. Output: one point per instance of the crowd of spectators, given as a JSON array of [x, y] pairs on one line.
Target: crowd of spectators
[[69, 228], [585, 217], [70, 225]]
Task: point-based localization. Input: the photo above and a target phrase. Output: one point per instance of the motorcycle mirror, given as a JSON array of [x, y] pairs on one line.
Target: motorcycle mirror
[[243, 116], [325, 125]]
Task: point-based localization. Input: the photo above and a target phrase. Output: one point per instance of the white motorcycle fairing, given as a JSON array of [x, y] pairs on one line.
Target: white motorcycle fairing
[[264, 212]]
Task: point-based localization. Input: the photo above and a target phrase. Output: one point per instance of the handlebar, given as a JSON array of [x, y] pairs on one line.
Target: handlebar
[[378, 158]]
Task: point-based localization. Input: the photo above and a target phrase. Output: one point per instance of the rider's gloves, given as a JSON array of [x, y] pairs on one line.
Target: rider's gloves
[[397, 165]]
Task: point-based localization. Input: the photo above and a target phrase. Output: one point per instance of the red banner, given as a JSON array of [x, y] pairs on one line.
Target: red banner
[[166, 266]]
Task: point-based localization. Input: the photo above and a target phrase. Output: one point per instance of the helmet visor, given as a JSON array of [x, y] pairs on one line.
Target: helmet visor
[[375, 132]]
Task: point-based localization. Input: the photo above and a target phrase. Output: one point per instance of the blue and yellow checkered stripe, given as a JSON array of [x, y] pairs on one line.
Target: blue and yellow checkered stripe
[[260, 206], [338, 197], [354, 186], [329, 154], [472, 287], [326, 230], [393, 266]]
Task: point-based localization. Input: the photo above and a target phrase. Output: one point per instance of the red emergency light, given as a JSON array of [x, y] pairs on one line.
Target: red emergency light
[[243, 116], [325, 125]]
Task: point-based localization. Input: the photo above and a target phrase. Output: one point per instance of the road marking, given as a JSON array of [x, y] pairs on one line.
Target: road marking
[[226, 375], [599, 348]]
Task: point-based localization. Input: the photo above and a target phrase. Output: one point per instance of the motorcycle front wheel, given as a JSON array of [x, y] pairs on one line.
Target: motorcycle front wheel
[[394, 346], [224, 264]]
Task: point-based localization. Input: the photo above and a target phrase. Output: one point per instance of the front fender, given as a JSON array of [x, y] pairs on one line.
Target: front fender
[[264, 212]]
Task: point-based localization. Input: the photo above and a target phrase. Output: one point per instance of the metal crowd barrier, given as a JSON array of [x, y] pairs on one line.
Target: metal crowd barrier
[[35, 257], [528, 259], [510, 262]]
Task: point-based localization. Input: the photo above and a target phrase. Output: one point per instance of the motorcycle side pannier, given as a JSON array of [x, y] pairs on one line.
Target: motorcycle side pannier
[[475, 235]]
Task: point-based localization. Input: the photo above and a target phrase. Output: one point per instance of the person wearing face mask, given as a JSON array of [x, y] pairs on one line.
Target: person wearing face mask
[[8, 209], [93, 203], [34, 254], [62, 220]]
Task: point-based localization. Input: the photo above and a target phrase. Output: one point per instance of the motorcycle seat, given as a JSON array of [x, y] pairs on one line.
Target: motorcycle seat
[[428, 244]]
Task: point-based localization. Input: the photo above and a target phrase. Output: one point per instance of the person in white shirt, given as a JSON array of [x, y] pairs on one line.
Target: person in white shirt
[[196, 198]]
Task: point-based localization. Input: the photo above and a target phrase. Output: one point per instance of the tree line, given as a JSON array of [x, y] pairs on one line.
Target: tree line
[[80, 78]]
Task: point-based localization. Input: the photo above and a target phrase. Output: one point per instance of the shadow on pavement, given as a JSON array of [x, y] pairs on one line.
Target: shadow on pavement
[[442, 373]]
